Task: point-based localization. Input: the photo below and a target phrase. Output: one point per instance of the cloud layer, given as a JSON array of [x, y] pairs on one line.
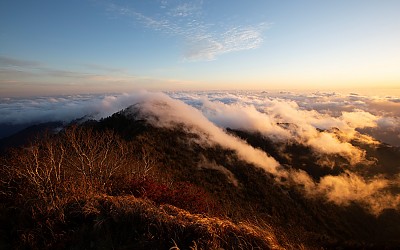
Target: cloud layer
[[329, 124]]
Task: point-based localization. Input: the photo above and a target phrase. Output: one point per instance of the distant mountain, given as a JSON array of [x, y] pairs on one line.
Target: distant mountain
[[7, 129], [28, 134], [21, 134], [238, 193]]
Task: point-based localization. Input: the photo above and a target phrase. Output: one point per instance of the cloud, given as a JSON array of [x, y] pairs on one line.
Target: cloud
[[204, 40], [103, 68], [208, 47], [15, 68], [14, 62], [244, 117], [359, 119], [206, 164], [384, 106], [349, 187]]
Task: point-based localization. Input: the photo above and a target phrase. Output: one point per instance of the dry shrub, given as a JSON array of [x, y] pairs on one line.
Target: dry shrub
[[77, 163], [38, 181], [184, 195]]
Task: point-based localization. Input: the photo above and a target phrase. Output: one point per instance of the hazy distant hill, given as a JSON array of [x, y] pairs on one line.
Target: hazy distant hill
[[170, 188], [28, 134]]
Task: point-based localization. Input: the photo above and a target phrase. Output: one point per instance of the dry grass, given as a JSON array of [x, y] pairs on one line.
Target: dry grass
[[166, 226], [56, 194]]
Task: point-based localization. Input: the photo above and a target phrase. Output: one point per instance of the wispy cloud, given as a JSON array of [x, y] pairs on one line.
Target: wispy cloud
[[14, 62], [20, 77], [16, 68], [103, 68], [209, 46], [203, 40]]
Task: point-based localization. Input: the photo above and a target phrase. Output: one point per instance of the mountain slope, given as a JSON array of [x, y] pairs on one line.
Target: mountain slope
[[150, 166], [258, 194]]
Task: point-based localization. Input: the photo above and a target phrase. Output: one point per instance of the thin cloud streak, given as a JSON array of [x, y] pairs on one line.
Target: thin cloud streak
[[208, 47], [14, 62], [31, 78]]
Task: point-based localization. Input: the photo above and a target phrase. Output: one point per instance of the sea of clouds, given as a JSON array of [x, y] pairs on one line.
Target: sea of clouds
[[378, 117], [327, 123]]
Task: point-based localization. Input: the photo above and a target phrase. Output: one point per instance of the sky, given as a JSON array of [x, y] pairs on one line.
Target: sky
[[98, 46]]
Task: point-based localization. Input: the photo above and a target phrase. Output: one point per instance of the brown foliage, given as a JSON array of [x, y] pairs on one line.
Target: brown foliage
[[45, 184]]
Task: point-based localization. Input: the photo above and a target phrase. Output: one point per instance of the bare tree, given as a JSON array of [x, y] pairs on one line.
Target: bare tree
[[39, 169], [96, 156]]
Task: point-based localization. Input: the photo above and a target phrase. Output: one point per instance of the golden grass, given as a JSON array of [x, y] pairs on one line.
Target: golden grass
[[166, 224]]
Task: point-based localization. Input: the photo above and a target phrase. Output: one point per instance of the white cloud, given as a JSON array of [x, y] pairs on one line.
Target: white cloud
[[359, 119], [244, 117]]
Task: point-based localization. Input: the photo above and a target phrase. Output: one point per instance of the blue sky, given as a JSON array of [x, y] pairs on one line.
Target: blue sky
[[88, 46]]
